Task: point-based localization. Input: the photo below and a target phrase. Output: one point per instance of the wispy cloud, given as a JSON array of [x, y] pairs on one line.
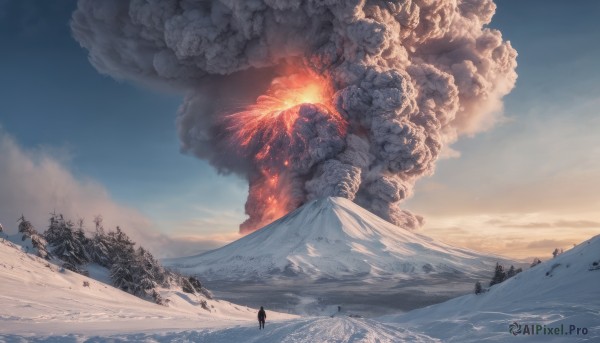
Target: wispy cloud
[[572, 224], [37, 182]]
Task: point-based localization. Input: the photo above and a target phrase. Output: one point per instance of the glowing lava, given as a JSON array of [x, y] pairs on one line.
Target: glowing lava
[[268, 131], [275, 113]]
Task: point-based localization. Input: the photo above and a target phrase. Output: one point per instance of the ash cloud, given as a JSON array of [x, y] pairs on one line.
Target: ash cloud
[[409, 78]]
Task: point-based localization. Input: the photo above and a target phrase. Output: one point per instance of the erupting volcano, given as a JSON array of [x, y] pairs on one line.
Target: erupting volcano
[[378, 90], [272, 134]]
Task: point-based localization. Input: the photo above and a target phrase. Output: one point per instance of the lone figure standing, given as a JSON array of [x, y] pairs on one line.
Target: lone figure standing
[[262, 316]]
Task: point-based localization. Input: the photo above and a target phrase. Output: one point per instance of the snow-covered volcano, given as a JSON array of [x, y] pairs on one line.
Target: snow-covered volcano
[[333, 238]]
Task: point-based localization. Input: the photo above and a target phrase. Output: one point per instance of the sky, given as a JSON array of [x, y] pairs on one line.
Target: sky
[[83, 143]]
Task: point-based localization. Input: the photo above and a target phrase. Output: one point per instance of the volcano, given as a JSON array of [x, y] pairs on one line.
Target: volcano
[[335, 239]]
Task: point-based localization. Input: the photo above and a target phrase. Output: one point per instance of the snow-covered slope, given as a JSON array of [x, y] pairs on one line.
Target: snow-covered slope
[[561, 291], [332, 238], [39, 297]]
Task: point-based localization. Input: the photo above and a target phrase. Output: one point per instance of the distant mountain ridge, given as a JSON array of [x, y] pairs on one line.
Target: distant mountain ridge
[[333, 238]]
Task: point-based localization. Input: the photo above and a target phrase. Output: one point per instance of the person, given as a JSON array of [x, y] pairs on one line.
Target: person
[[262, 316]]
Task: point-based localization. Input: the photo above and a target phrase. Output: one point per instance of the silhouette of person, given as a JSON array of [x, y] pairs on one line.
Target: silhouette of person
[[262, 316]]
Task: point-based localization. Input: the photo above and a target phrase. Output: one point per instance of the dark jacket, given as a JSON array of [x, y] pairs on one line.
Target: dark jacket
[[262, 315]]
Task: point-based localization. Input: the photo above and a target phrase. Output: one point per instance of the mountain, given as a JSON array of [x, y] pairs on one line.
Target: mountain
[[559, 293], [333, 238]]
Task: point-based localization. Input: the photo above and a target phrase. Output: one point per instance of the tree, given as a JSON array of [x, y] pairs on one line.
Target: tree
[[555, 253], [65, 242], [26, 228], [143, 273], [157, 298], [97, 246], [122, 253], [37, 242], [511, 272], [499, 275], [478, 288], [121, 273], [535, 262]]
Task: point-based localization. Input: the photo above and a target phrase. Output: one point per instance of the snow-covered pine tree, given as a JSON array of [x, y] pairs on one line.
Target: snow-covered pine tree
[[26, 228], [82, 241], [157, 298], [37, 241], [499, 275], [64, 241], [122, 253], [511, 272], [478, 288], [40, 244], [54, 232], [97, 246], [121, 273], [143, 277]]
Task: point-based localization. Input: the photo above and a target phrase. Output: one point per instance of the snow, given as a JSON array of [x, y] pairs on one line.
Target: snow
[[40, 298], [333, 238], [563, 290], [41, 303]]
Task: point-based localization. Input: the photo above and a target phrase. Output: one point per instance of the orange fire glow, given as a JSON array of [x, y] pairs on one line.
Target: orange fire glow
[[271, 119], [275, 113]]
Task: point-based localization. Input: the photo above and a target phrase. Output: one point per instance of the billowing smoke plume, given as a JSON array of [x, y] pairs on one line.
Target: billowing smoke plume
[[396, 82]]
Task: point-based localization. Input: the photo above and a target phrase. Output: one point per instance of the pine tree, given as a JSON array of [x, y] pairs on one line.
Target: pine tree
[[98, 245], [65, 242], [121, 273], [511, 272], [499, 275], [37, 242], [123, 260], [143, 277], [535, 262], [478, 288], [26, 228], [157, 297], [555, 253]]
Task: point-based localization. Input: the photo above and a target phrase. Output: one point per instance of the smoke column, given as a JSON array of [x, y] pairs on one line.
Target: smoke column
[[312, 98]]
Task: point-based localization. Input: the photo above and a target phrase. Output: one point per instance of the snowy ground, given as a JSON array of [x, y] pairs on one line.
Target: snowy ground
[[559, 293], [308, 330], [37, 298], [40, 303]]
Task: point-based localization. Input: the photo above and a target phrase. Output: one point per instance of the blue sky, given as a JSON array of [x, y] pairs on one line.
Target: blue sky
[[538, 166]]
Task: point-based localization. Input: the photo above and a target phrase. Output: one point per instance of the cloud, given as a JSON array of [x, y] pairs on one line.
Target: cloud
[[572, 224], [577, 224], [37, 182], [549, 244], [541, 162]]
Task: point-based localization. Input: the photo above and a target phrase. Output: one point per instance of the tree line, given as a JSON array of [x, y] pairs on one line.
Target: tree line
[[132, 269]]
